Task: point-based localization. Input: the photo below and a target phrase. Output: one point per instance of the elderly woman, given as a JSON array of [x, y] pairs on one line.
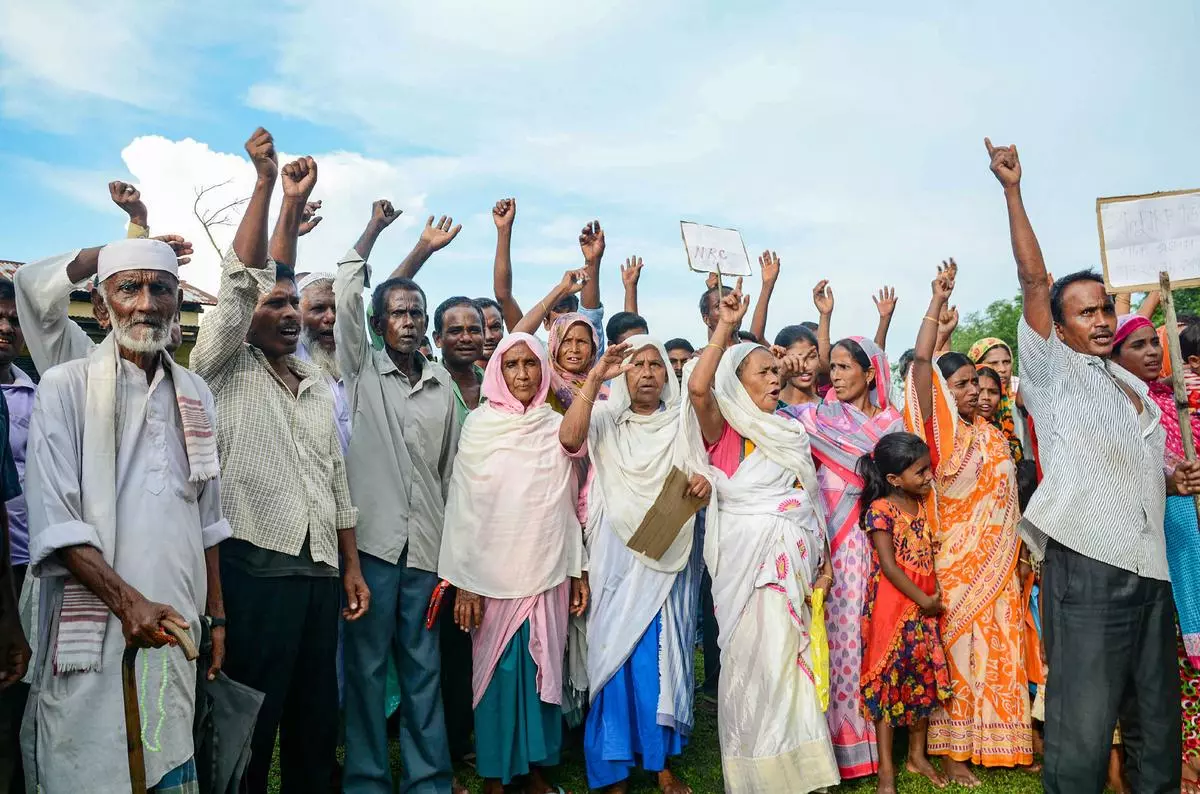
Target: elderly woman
[[764, 546], [513, 548], [1137, 348], [975, 479], [642, 624], [842, 428]]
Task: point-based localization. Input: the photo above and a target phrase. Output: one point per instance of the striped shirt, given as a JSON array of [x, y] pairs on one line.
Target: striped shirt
[[1104, 490]]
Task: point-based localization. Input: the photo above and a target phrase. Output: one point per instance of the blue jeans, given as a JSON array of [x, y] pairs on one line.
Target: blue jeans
[[394, 622]]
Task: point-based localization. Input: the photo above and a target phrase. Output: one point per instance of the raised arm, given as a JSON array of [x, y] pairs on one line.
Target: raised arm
[[768, 265], [631, 271], [250, 241], [730, 311], [433, 239], [350, 331], [504, 213], [244, 272], [591, 243], [823, 300], [885, 302], [383, 214], [129, 199], [1150, 304], [1031, 267], [573, 432], [572, 282], [309, 218], [922, 366], [299, 178]]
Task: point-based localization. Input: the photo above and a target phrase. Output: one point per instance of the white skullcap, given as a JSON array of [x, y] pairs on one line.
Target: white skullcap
[[312, 278], [136, 254]]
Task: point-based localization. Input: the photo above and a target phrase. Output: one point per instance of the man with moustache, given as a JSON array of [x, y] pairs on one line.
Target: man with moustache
[[285, 493], [123, 531], [401, 454], [493, 327], [458, 331]]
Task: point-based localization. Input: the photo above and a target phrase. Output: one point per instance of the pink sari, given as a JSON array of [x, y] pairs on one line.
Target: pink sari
[[839, 435]]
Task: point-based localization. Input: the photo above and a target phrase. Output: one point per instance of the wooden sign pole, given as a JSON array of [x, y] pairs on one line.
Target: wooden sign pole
[[1181, 397]]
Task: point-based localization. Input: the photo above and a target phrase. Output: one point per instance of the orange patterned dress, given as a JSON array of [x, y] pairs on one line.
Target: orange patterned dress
[[976, 550]]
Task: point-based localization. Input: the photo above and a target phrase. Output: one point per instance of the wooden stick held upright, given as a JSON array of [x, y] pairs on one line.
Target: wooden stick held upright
[[1181, 398]]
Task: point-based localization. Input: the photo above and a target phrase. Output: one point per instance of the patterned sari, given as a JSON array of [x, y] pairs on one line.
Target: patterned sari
[[839, 434], [1183, 557], [988, 721]]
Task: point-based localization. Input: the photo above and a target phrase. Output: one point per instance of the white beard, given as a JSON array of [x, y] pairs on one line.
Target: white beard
[[320, 356], [149, 341]]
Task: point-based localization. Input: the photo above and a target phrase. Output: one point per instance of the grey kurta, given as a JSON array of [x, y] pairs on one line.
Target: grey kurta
[[73, 738]]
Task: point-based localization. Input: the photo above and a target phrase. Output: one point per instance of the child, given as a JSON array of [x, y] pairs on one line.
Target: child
[[905, 676]]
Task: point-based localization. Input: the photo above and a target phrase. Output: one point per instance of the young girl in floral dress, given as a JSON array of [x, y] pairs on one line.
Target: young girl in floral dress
[[905, 676]]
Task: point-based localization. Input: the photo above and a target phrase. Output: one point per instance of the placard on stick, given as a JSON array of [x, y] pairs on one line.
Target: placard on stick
[[1144, 236], [711, 249]]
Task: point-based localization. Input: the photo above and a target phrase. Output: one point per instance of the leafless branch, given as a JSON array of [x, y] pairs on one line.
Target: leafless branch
[[223, 216]]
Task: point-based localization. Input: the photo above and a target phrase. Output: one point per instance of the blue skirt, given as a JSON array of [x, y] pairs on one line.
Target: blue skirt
[[622, 729], [1183, 557], [514, 729]]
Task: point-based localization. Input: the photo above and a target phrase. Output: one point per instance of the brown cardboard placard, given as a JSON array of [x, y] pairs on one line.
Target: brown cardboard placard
[[666, 517]]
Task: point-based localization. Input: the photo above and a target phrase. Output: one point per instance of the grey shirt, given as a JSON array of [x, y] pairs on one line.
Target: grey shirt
[[1104, 491], [405, 436]]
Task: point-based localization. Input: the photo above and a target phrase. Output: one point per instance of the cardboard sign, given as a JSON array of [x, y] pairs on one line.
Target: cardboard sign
[[670, 511], [1143, 236], [714, 250]]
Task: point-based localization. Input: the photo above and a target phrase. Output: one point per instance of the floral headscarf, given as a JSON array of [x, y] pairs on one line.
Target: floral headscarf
[[566, 384], [1003, 418]]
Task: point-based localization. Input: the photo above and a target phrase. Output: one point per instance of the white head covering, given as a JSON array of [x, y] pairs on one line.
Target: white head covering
[[136, 254], [313, 278], [782, 439], [633, 454]]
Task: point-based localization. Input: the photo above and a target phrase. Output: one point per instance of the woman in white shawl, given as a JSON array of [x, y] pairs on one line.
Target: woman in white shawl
[[641, 626], [513, 547], [764, 546]]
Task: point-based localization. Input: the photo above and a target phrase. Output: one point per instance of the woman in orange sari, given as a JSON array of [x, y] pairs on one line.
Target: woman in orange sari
[[977, 549]]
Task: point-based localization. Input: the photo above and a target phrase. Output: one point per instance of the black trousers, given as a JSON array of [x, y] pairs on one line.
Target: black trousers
[[1111, 646], [281, 639], [456, 679]]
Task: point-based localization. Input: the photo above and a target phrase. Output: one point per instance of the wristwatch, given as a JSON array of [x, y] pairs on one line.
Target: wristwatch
[[214, 623]]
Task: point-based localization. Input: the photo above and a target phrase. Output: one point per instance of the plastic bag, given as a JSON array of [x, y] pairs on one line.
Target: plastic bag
[[820, 648]]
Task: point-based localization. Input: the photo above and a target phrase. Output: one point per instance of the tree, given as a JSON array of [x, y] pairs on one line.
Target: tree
[[998, 320], [223, 216]]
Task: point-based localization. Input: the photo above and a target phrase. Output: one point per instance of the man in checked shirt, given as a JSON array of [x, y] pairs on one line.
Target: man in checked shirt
[[284, 491]]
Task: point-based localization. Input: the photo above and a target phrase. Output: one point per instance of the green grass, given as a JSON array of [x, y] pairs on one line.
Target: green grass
[[700, 767]]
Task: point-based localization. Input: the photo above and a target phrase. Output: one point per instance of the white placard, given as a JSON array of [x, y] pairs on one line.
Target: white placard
[[711, 249], [1141, 236]]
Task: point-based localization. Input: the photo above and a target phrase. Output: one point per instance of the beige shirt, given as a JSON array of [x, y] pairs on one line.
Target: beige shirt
[[405, 436], [282, 474]]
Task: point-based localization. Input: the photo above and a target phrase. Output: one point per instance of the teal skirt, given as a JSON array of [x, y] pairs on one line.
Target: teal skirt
[[514, 729]]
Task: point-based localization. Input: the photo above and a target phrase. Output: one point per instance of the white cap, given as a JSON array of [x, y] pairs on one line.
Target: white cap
[[312, 278], [136, 254]]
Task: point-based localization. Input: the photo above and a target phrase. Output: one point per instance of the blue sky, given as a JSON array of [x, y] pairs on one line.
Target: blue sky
[[846, 136]]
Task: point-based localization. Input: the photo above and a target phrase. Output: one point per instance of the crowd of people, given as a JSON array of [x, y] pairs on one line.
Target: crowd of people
[[1003, 567]]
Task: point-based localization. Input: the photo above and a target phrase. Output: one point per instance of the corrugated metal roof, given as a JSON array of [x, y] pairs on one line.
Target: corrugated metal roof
[[190, 294]]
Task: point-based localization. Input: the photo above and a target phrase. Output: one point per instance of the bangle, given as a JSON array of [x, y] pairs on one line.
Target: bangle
[[584, 397], [717, 347], [930, 319]]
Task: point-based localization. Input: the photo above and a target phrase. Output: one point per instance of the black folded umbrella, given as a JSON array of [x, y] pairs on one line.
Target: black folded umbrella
[[226, 712]]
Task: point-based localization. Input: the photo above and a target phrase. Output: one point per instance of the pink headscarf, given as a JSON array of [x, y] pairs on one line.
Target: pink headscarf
[[1127, 324], [567, 383], [496, 390]]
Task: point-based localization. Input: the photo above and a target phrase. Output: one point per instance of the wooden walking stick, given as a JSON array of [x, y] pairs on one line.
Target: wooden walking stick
[[1181, 398], [133, 717]]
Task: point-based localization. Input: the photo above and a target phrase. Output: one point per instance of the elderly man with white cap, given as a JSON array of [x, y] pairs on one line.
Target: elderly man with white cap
[[124, 516]]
